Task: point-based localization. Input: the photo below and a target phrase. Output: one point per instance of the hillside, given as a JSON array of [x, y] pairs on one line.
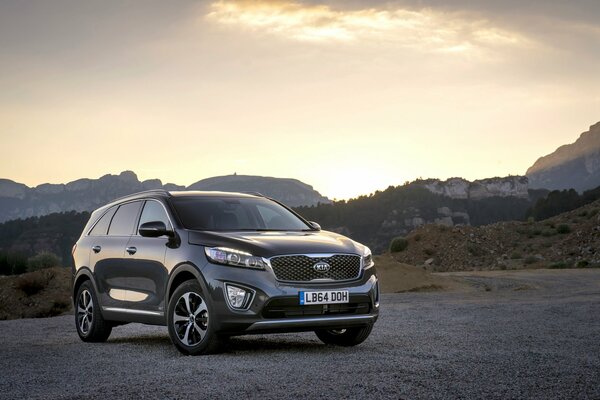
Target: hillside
[[19, 201], [575, 165], [291, 192], [396, 211], [568, 240], [55, 233]]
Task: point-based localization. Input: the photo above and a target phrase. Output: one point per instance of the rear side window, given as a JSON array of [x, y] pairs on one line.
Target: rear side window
[[154, 211], [124, 220], [101, 226]]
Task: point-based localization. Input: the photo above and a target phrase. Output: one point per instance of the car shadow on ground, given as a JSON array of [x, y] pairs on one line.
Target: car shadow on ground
[[233, 345], [271, 344]]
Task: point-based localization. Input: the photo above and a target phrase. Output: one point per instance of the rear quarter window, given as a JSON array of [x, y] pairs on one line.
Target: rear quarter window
[[101, 227]]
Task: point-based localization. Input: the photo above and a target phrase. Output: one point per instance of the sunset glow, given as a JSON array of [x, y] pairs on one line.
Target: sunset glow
[[349, 97]]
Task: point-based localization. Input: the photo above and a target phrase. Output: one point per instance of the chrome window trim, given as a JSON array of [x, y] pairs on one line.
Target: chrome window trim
[[137, 223]]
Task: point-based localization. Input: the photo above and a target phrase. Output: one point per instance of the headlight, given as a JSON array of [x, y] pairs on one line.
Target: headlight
[[367, 258], [236, 258]]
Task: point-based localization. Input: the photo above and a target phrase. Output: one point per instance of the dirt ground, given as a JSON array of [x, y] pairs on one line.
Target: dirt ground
[[396, 277], [44, 293]]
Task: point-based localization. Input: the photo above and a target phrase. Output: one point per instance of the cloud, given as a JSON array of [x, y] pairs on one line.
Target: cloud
[[425, 29]]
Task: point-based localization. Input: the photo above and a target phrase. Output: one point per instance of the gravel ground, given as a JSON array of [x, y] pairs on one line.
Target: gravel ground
[[527, 334]]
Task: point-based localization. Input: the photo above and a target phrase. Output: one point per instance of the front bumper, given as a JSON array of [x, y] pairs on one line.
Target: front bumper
[[363, 309]]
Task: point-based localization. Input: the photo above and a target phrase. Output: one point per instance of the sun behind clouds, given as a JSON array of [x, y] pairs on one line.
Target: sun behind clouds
[[423, 29]]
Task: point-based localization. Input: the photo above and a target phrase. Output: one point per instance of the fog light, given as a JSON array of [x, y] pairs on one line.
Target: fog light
[[237, 297]]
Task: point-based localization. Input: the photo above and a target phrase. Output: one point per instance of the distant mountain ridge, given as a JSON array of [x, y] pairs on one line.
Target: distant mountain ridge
[[20, 201], [575, 165], [291, 192]]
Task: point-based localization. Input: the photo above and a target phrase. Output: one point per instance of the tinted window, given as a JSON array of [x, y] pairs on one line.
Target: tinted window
[[154, 211], [124, 220], [223, 214], [101, 226]]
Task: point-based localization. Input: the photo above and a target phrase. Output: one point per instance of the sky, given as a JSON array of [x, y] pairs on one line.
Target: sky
[[347, 96]]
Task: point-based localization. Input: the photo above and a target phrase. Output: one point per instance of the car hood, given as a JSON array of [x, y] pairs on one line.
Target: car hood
[[269, 244]]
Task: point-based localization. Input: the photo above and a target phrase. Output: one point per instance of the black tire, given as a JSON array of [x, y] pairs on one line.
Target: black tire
[[90, 325], [344, 337], [197, 337]]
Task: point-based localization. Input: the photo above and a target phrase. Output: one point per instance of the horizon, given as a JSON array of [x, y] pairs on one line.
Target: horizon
[[348, 97]]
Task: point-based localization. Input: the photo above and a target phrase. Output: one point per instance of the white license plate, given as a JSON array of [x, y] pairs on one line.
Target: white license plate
[[324, 297]]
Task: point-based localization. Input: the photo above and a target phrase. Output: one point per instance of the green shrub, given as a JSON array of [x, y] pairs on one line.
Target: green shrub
[[582, 264], [548, 233], [563, 229], [31, 284], [530, 260], [42, 261], [559, 265], [417, 237], [516, 255], [537, 232], [593, 213], [475, 250], [398, 244], [12, 263], [583, 213], [429, 251]]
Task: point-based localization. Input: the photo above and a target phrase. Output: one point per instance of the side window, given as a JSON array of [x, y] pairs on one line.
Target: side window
[[101, 226], [124, 220], [153, 211]]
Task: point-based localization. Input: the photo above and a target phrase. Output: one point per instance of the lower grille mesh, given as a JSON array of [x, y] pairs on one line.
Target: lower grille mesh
[[289, 308]]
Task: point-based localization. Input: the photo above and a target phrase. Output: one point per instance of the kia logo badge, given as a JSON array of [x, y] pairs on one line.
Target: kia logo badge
[[321, 267]]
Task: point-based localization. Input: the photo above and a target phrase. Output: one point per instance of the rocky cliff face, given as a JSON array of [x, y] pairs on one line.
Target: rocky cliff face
[[19, 201], [291, 192], [575, 165], [459, 188]]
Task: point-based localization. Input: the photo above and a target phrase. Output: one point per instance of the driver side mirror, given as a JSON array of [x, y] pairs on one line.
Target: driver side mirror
[[155, 229], [314, 225]]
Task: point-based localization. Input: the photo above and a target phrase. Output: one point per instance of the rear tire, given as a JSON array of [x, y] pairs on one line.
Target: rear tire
[[188, 320], [344, 337], [90, 324]]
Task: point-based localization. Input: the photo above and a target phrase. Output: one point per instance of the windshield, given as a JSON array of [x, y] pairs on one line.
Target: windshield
[[235, 214]]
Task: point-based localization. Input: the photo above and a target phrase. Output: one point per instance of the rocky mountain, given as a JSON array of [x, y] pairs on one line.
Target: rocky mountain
[[20, 201], [459, 188], [575, 165], [291, 192]]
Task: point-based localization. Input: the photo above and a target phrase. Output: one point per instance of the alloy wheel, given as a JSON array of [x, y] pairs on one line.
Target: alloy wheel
[[85, 312], [190, 318]]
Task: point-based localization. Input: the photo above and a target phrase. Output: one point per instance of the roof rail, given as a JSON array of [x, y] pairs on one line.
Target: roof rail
[[255, 194], [162, 191]]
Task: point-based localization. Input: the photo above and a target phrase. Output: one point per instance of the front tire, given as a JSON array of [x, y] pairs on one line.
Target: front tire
[[344, 337], [188, 319], [90, 324]]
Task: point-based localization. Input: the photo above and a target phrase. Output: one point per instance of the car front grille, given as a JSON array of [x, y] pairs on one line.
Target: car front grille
[[289, 307], [301, 268]]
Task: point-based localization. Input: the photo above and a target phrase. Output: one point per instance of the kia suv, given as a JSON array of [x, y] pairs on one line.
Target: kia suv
[[210, 265]]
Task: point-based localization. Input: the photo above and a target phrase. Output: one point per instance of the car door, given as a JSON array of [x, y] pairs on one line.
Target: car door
[[107, 257], [145, 261]]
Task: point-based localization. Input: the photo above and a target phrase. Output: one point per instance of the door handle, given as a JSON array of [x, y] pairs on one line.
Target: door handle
[[131, 250], [96, 249]]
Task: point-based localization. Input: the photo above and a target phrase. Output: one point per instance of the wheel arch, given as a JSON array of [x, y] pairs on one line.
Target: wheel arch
[[83, 274], [182, 273]]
